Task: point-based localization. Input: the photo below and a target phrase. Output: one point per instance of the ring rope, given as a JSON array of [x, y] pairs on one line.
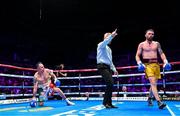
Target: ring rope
[[77, 70], [74, 86], [94, 93], [18, 76], [85, 77]]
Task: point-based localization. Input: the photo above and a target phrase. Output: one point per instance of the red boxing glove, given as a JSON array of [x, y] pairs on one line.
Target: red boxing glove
[[51, 85]]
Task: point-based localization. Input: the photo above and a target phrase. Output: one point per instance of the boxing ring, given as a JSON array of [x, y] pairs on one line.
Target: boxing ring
[[87, 93]]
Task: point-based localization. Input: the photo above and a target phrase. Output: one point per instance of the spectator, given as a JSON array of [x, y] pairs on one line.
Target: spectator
[[60, 68]]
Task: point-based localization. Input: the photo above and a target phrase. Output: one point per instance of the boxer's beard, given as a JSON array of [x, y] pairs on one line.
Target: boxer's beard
[[150, 39]]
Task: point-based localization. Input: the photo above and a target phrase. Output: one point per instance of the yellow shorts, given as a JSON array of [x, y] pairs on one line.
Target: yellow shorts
[[152, 70]]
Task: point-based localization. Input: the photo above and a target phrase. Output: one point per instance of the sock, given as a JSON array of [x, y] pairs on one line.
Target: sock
[[67, 100]]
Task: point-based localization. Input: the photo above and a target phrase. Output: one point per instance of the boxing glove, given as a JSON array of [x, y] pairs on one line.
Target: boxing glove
[[141, 66], [166, 66]]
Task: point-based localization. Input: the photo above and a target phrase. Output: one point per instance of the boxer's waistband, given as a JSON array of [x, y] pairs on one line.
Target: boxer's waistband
[[150, 60]]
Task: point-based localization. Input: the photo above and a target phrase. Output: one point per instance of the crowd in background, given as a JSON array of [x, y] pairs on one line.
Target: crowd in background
[[24, 85], [15, 84]]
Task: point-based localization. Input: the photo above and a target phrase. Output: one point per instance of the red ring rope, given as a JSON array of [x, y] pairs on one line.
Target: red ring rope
[[76, 70]]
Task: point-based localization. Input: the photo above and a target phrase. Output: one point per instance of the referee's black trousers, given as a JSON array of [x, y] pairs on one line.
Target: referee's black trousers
[[106, 73]]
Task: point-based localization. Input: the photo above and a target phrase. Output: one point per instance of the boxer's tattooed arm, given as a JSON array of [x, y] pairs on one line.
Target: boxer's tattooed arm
[[35, 79], [140, 50], [159, 48]]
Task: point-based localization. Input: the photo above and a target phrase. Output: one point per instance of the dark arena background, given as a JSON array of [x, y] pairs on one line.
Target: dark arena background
[[67, 32]]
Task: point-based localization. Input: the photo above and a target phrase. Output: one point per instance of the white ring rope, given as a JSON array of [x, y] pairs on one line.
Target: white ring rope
[[18, 76], [97, 93], [90, 77], [85, 77], [76, 86]]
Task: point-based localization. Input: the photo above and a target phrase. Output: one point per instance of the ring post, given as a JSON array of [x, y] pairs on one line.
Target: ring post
[[164, 82], [117, 86], [79, 86]]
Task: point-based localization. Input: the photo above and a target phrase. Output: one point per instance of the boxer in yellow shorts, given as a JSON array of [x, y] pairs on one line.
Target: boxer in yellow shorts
[[149, 50], [152, 70]]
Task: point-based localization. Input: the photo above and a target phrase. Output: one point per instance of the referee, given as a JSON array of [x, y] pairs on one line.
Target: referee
[[106, 67]]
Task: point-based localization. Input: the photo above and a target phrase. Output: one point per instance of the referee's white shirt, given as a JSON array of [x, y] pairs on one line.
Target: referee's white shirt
[[104, 53]]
